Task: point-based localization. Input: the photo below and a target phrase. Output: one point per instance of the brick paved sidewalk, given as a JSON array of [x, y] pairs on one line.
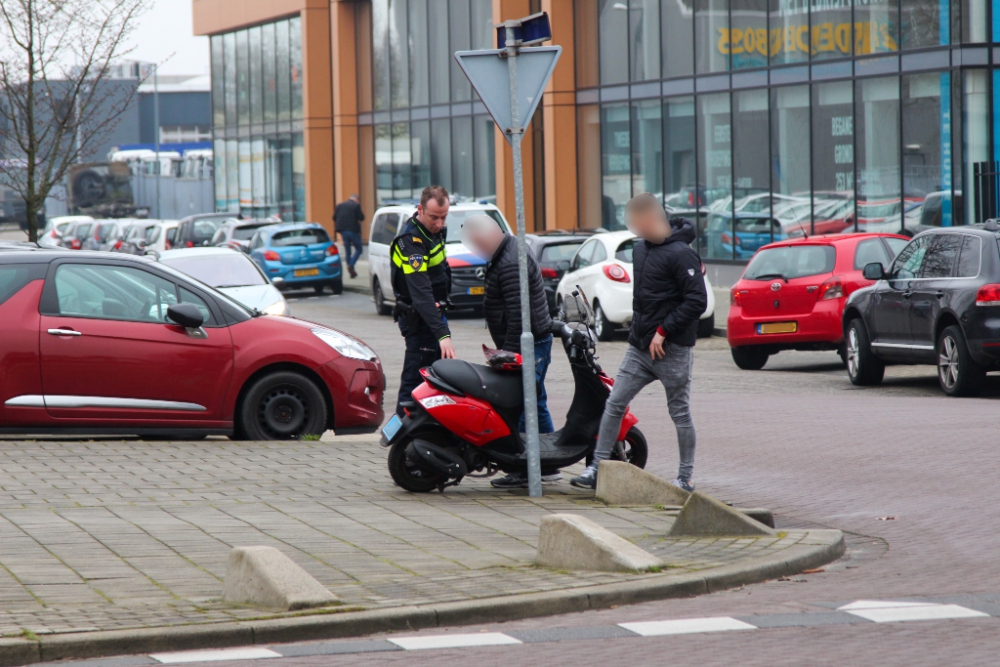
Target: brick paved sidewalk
[[113, 535]]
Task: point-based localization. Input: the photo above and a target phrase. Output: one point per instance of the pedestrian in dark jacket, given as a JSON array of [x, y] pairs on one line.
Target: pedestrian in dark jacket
[[347, 217], [502, 308], [668, 297]]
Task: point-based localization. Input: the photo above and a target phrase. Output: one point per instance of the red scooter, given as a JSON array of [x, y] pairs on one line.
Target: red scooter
[[463, 419]]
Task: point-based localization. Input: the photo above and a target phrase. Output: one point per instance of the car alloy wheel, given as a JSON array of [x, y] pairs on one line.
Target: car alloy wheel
[[852, 353], [948, 364]]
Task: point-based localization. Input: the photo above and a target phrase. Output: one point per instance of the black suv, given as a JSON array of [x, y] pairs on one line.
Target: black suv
[[554, 250], [937, 304], [199, 230]]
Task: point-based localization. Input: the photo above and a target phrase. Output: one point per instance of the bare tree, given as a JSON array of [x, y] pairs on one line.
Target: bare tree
[[56, 101]]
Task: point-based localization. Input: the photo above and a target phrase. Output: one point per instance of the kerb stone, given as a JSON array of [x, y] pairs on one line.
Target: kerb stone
[[620, 483], [264, 577], [573, 542], [705, 516]]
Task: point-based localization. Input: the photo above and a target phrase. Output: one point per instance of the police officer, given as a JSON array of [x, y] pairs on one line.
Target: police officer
[[421, 281]]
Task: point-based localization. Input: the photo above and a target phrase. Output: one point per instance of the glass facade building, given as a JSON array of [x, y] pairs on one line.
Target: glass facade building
[[257, 120], [769, 119], [419, 113]]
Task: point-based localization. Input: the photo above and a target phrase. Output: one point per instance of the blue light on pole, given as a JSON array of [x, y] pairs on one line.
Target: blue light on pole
[[528, 31]]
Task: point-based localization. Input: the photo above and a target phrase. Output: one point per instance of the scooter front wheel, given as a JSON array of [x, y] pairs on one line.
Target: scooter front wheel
[[634, 449], [408, 474]]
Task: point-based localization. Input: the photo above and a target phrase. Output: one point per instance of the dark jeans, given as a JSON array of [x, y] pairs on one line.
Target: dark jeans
[[543, 357], [351, 240], [422, 349]]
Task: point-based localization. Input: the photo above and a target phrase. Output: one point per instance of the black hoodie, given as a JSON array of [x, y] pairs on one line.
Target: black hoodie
[[669, 291]]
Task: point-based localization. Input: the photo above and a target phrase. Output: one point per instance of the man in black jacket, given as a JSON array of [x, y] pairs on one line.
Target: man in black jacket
[[502, 308], [347, 218], [668, 297]]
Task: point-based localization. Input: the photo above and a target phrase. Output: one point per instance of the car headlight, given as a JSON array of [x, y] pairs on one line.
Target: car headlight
[[277, 308], [345, 345]]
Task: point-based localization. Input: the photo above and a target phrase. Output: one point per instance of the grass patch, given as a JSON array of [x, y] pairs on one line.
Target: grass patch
[[29, 635], [310, 437]]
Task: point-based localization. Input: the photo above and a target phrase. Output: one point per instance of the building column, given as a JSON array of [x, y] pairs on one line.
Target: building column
[[317, 114], [504, 10], [559, 109], [343, 54]]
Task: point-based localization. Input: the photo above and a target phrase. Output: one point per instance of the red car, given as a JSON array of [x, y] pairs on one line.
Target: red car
[[792, 294], [111, 343]]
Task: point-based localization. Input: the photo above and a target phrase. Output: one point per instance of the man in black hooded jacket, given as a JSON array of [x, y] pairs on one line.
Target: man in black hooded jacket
[[668, 297]]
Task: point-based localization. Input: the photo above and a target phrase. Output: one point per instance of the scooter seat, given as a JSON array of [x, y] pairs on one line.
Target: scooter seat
[[502, 389]]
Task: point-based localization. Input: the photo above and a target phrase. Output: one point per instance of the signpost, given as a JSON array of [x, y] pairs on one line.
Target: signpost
[[527, 71]]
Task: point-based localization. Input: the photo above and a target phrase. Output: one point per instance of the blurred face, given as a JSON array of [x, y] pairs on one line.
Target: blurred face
[[433, 216], [650, 225], [482, 236]]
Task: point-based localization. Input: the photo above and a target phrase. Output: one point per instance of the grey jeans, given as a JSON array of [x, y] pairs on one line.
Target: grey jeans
[[639, 370]]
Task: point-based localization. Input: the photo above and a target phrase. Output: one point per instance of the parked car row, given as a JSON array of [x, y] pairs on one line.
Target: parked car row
[[878, 300]]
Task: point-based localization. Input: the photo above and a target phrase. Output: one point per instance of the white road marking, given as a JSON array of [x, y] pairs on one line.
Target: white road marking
[[686, 626], [214, 655], [897, 612], [881, 604], [454, 641]]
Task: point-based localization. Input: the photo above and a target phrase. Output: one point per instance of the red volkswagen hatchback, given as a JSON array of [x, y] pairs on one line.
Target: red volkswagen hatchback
[[792, 294], [110, 343]]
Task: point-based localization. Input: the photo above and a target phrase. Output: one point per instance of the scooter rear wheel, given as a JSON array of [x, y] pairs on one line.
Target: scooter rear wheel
[[408, 475], [635, 449]]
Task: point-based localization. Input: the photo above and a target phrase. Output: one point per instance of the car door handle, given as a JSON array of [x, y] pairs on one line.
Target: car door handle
[[64, 332], [939, 294], [906, 295]]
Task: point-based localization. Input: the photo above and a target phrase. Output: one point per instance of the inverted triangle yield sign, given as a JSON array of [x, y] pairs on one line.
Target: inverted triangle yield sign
[[488, 73]]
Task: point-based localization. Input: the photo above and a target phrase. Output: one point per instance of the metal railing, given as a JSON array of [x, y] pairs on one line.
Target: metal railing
[[986, 198]]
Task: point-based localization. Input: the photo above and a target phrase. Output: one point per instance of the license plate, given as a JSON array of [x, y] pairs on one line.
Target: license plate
[[477, 290], [392, 428], [302, 273], [777, 327]]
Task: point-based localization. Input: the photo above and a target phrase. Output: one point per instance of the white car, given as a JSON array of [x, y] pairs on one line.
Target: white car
[[231, 272], [602, 267], [467, 269], [51, 236]]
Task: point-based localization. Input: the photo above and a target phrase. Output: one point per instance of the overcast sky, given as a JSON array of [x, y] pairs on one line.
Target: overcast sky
[[166, 29]]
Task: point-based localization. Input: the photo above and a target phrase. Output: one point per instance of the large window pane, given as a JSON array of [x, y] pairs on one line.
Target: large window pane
[[441, 152], [420, 156], [751, 174], [284, 71], [270, 91], [401, 161], [258, 174], [295, 64], [232, 175], [644, 39], [219, 156], [458, 32], [242, 78], [383, 162], [831, 34], [712, 36], [299, 176], [256, 76], [483, 129], [440, 51], [748, 34], [677, 30], [616, 167], [975, 123], [832, 153], [924, 23], [588, 159], [790, 159], [715, 173], [380, 52], [419, 56], [399, 67], [586, 48], [218, 82], [789, 32], [647, 147], [229, 47], [878, 186], [927, 150], [613, 25], [286, 187], [482, 24], [876, 27], [462, 164], [273, 178], [972, 20], [246, 179]]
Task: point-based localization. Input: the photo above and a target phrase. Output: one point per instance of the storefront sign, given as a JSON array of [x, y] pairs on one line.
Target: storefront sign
[[869, 37]]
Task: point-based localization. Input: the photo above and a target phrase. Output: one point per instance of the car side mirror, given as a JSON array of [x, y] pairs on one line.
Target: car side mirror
[[874, 271], [187, 315]]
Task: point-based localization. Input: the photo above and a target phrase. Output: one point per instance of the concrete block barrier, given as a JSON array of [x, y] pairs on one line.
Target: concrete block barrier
[[572, 542], [704, 516], [620, 483], [264, 577]]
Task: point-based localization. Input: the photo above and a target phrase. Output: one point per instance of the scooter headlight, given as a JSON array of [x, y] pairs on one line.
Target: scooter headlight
[[345, 345]]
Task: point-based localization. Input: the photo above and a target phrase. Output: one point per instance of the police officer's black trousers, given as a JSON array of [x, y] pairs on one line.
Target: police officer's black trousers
[[422, 349]]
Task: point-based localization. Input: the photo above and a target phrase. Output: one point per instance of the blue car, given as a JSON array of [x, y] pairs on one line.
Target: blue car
[[751, 231], [298, 255]]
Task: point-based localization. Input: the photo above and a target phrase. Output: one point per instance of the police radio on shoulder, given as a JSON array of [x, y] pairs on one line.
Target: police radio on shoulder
[[345, 345]]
